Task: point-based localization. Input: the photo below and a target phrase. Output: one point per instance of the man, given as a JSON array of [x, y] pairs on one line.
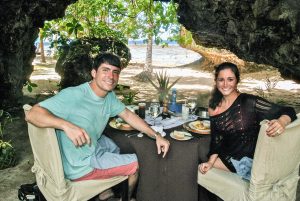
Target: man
[[79, 115]]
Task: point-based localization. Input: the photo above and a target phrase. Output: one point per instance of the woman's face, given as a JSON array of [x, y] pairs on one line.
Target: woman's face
[[226, 82]]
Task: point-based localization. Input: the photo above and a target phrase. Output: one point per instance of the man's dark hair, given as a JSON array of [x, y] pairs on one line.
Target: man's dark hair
[[108, 58]]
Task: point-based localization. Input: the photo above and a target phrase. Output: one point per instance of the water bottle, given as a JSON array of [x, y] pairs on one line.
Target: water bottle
[[173, 97]]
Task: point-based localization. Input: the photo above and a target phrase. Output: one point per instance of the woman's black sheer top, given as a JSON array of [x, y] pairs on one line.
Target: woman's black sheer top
[[234, 132]]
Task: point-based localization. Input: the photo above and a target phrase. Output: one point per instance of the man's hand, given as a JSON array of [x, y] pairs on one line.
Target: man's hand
[[162, 145], [140, 125], [42, 118], [77, 135]]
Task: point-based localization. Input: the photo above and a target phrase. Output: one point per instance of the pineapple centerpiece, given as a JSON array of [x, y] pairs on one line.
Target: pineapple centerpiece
[[162, 85], [7, 151]]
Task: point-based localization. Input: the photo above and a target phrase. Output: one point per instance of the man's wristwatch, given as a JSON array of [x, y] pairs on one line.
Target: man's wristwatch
[[156, 134]]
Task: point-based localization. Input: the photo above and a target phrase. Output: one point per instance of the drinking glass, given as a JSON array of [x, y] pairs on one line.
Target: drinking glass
[[192, 103], [154, 111], [141, 110], [185, 112]]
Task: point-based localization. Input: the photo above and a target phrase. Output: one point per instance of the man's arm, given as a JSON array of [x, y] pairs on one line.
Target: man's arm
[[41, 117], [139, 124]]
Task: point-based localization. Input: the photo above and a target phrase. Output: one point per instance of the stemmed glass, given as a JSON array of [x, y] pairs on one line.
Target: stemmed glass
[[192, 103], [154, 111]]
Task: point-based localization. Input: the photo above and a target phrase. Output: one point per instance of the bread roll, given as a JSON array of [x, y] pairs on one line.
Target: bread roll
[[178, 135]]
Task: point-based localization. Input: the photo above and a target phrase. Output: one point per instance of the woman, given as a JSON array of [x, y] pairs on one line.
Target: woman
[[235, 119]]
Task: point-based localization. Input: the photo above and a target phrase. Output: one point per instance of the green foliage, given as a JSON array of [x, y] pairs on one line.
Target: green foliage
[[163, 85], [152, 18], [129, 96], [7, 155], [120, 19], [30, 85], [7, 152], [186, 39], [5, 118], [74, 27]]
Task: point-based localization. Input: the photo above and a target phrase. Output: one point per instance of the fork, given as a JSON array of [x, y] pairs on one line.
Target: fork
[[131, 135]]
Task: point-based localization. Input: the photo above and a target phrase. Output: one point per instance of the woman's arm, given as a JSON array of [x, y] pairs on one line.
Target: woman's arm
[[277, 126], [204, 167], [279, 116]]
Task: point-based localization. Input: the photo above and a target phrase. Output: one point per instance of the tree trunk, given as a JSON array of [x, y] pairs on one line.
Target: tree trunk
[[148, 68], [43, 59], [148, 64]]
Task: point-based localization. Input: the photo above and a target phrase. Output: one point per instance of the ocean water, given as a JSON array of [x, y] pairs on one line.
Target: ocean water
[[170, 56]]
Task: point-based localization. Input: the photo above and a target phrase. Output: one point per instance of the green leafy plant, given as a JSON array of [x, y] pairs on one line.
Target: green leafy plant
[[73, 27], [5, 118], [30, 85], [163, 85], [7, 151], [129, 96]]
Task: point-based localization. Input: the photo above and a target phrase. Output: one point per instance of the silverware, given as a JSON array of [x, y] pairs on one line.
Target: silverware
[[131, 135]]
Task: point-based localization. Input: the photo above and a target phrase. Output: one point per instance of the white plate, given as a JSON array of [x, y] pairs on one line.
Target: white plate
[[120, 126], [187, 136], [193, 126]]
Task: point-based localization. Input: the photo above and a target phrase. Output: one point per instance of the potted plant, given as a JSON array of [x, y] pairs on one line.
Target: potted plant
[[162, 86], [7, 151]]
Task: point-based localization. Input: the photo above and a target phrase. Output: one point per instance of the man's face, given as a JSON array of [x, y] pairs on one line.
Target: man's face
[[105, 79]]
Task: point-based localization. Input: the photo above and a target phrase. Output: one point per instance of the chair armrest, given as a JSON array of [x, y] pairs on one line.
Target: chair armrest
[[276, 157]]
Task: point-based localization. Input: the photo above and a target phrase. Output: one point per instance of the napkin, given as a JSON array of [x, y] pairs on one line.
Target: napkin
[[243, 167], [169, 122]]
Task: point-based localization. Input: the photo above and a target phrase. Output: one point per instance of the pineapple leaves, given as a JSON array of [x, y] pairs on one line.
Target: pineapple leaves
[[163, 85]]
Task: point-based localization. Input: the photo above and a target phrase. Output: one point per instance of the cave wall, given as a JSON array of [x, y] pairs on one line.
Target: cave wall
[[20, 23], [263, 31]]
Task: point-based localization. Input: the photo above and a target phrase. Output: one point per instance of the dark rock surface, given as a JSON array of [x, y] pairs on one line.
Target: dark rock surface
[[20, 22], [263, 31], [75, 63]]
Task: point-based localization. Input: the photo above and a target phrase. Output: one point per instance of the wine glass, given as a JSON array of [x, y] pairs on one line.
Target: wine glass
[[192, 103], [154, 111]]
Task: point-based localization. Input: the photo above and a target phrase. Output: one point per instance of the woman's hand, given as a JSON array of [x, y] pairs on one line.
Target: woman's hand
[[204, 167], [277, 126]]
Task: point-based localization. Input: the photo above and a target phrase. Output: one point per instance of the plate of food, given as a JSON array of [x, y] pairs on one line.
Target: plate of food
[[120, 124], [181, 135], [200, 127]]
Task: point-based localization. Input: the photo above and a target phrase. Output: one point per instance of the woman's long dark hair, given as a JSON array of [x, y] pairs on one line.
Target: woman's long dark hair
[[216, 95]]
